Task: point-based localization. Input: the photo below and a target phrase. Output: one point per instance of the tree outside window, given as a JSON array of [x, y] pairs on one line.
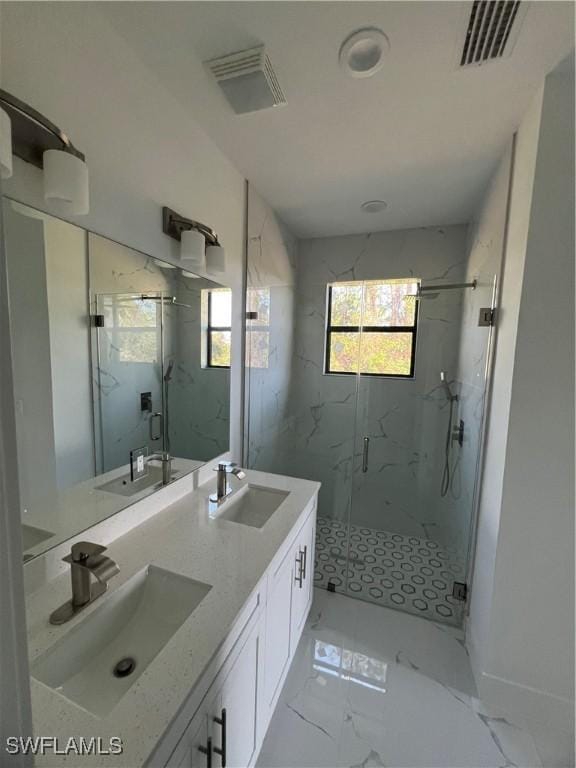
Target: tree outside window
[[371, 328]]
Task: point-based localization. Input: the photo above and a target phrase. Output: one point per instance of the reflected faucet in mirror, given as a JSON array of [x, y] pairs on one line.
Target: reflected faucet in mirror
[[123, 356]]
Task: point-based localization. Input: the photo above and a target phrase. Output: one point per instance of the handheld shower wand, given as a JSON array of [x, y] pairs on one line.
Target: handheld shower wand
[[452, 398], [449, 396]]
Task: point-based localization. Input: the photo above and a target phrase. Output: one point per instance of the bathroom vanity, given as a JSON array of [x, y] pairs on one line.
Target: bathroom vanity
[[208, 607]]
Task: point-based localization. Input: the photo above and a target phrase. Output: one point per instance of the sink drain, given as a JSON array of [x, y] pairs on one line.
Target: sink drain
[[125, 667]]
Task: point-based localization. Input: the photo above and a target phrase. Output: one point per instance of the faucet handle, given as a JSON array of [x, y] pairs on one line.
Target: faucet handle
[[82, 550], [225, 466], [231, 468]]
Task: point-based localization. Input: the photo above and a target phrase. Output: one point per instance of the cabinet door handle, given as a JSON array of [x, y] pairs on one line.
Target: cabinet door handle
[[299, 577], [222, 751], [365, 454], [304, 561], [207, 750]]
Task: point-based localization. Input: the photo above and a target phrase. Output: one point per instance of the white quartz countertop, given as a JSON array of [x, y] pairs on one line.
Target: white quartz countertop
[[182, 538]]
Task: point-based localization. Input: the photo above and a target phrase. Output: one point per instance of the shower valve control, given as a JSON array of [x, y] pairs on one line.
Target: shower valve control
[[458, 433]]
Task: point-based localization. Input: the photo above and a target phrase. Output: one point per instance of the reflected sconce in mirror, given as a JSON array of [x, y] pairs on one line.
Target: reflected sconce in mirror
[[199, 245], [33, 138]]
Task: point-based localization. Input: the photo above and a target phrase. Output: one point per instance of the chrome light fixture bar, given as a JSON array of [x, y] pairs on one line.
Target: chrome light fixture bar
[[32, 133], [199, 244], [36, 140]]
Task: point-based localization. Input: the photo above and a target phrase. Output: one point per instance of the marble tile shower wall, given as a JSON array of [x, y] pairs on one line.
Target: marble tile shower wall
[[406, 420], [200, 423], [304, 423], [199, 397], [271, 271]]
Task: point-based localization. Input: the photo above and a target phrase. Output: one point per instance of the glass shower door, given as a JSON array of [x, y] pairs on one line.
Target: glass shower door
[[128, 378], [416, 459]]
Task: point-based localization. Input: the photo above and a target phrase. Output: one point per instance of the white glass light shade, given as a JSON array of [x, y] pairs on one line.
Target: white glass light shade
[[192, 247], [5, 145], [215, 259], [66, 182]]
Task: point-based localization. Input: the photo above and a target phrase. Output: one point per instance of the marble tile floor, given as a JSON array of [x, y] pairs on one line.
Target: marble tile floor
[[370, 686], [404, 572]]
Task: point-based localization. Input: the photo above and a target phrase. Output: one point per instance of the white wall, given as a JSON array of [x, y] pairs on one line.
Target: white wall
[[24, 239], [522, 622], [271, 270], [144, 148], [67, 288]]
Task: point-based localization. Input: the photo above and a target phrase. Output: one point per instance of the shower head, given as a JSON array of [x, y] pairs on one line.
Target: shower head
[[168, 374], [449, 396]]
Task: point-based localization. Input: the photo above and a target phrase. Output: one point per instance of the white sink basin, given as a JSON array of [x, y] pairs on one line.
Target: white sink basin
[[123, 486], [31, 536], [252, 505], [134, 622]]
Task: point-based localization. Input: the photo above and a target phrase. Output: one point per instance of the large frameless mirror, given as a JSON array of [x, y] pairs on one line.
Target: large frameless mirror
[[121, 366]]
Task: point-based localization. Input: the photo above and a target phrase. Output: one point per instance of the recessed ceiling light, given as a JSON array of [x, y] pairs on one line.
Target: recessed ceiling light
[[373, 206], [362, 53], [191, 275]]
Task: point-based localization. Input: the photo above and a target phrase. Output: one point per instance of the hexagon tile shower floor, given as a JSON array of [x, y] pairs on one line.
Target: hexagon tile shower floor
[[405, 572]]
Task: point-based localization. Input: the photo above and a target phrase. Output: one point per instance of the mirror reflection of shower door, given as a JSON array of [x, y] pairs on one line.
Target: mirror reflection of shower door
[[128, 377], [408, 545]]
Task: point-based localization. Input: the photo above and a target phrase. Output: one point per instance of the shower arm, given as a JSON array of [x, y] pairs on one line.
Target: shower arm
[[447, 287]]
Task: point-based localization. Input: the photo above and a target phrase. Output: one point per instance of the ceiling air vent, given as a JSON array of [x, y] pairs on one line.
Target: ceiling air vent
[[247, 80], [493, 27]]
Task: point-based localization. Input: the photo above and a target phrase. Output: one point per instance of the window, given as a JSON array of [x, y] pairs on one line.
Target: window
[[371, 328], [134, 323], [217, 310], [258, 327]]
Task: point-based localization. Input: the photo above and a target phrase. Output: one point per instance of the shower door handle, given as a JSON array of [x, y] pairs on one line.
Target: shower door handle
[[365, 454], [160, 418]]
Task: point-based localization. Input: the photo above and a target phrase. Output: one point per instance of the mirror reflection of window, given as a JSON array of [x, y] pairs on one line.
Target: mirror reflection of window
[[217, 313], [258, 327], [134, 323]]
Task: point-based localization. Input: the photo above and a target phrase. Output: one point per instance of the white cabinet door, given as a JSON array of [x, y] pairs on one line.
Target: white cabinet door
[[234, 723], [303, 555], [277, 650], [194, 749]]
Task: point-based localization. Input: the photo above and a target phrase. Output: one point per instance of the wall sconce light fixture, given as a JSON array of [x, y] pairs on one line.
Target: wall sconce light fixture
[[33, 138], [199, 245]]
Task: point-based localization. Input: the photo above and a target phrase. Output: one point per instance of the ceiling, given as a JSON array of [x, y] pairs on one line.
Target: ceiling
[[422, 134]]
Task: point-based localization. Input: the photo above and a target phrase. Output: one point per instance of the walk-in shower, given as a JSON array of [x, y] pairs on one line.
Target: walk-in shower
[[374, 385]]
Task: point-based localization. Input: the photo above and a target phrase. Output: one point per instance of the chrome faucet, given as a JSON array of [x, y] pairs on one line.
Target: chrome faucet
[[223, 487], [86, 560], [166, 460]]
